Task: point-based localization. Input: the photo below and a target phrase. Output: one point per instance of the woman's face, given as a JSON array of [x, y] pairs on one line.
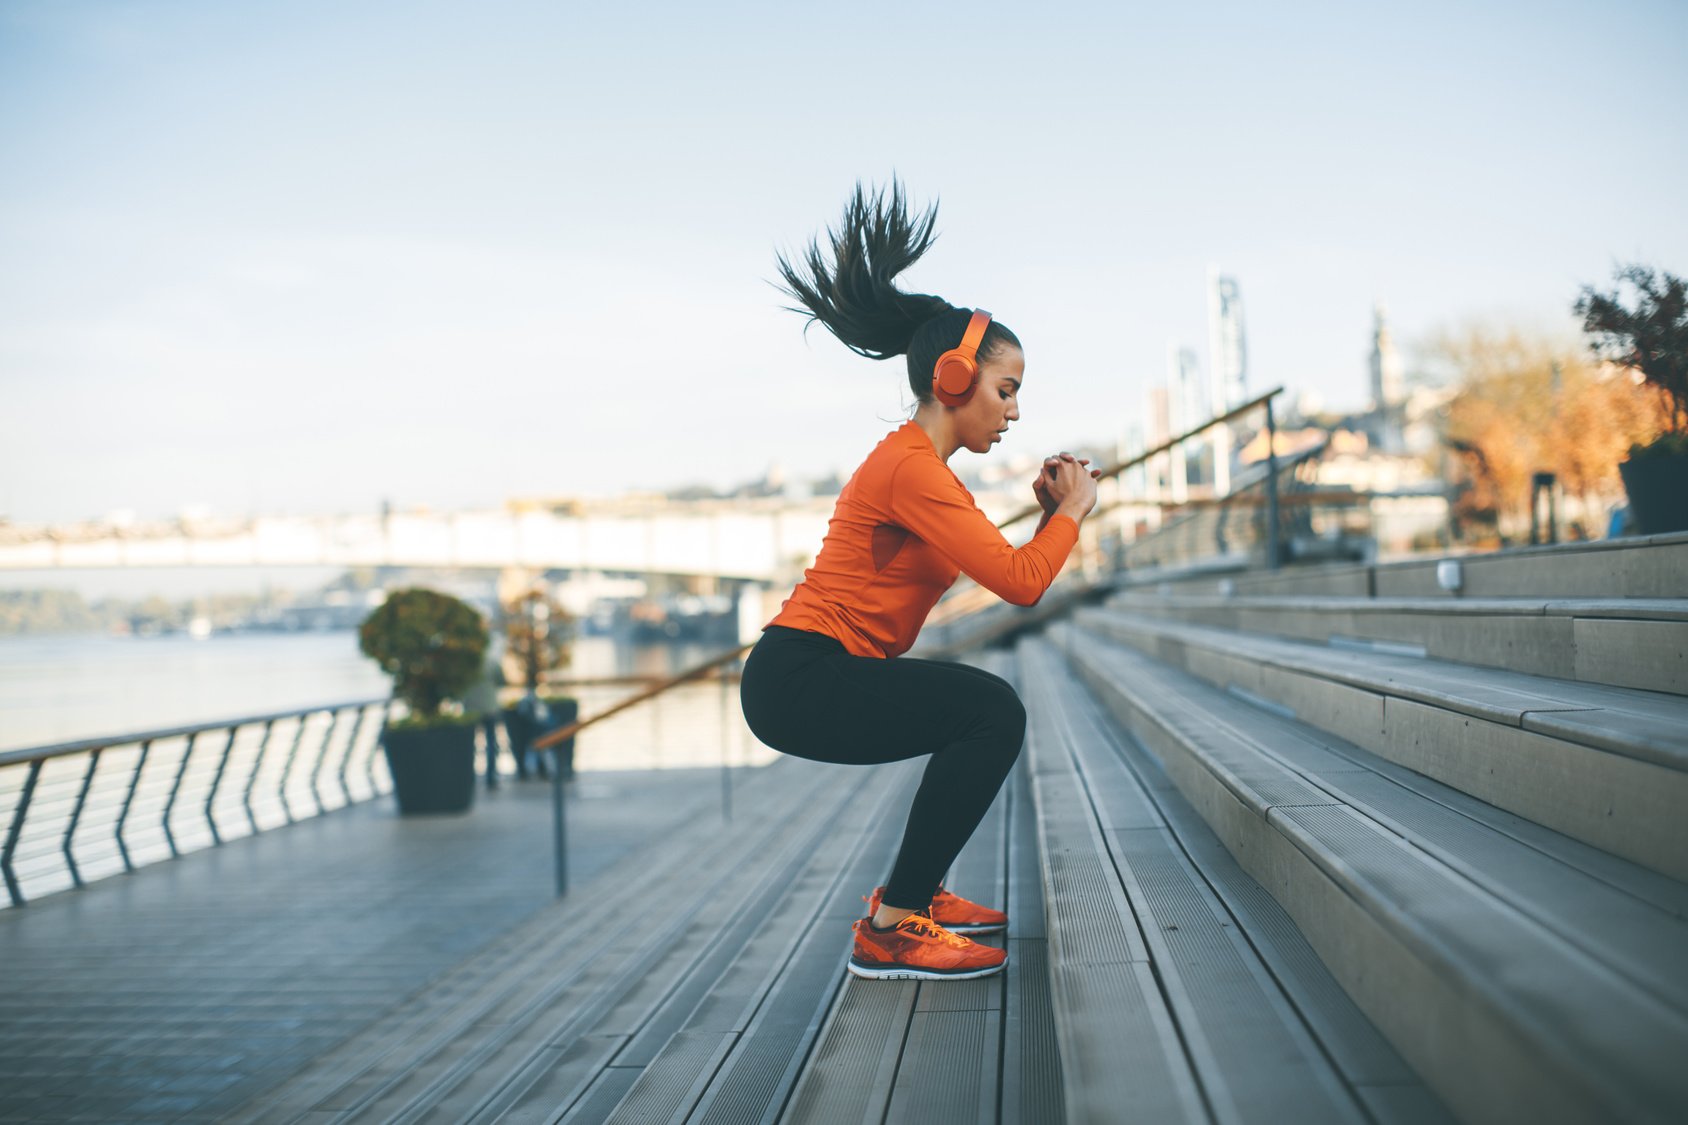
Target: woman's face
[[980, 421]]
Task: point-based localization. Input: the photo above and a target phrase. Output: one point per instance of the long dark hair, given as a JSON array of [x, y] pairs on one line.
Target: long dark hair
[[855, 299]]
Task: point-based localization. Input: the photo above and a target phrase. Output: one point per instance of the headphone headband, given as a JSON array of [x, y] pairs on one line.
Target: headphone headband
[[975, 331]]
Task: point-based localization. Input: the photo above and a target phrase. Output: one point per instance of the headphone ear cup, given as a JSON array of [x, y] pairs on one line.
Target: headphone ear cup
[[953, 377]]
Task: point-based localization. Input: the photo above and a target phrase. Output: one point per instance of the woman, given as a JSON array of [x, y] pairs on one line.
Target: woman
[[827, 680]]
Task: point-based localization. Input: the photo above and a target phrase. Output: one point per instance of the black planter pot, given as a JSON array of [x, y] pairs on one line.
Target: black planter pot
[[563, 711], [433, 768], [1658, 491]]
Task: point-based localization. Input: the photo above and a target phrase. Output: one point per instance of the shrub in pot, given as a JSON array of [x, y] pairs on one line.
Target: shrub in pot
[[1652, 339], [432, 645]]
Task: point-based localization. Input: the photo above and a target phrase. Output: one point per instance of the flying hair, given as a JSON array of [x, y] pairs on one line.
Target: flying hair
[[854, 296]]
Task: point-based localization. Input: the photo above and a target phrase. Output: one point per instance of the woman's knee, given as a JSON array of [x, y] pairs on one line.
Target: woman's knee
[[1005, 715]]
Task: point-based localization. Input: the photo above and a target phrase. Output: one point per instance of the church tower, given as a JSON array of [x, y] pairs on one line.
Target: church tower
[[1387, 391]]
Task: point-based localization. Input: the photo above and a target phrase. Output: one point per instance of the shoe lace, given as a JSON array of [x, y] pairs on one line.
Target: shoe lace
[[921, 923]]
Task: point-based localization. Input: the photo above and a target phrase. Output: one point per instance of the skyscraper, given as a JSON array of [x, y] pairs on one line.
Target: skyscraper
[[1184, 379], [1227, 353]]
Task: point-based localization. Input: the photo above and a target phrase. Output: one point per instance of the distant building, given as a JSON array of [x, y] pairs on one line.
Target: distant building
[[1189, 396], [1388, 388], [1227, 352]]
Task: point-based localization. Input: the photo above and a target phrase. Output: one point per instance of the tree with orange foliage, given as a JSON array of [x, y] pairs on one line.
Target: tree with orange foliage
[[1527, 404]]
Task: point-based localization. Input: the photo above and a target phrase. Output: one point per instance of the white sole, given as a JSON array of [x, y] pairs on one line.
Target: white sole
[[904, 972]]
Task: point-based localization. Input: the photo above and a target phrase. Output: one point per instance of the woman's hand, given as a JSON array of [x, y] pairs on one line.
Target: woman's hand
[[1066, 482]]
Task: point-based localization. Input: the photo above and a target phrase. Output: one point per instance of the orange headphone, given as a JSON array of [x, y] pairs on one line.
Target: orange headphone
[[957, 370]]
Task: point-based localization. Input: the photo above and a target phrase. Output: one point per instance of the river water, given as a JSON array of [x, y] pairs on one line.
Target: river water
[[63, 688]]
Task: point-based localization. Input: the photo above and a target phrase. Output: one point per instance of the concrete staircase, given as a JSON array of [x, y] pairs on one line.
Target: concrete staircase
[[1471, 805]]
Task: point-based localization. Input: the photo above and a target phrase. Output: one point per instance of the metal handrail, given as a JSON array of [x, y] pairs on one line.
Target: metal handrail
[[58, 749], [562, 734], [968, 597], [207, 790], [1167, 446]]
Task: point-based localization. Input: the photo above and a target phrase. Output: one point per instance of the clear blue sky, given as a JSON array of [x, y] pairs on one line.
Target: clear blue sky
[[304, 256]]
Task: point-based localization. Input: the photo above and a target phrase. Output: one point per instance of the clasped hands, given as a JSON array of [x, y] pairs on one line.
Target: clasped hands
[[1066, 484]]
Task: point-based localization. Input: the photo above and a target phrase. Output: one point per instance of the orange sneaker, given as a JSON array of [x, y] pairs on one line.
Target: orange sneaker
[[917, 948], [953, 913]]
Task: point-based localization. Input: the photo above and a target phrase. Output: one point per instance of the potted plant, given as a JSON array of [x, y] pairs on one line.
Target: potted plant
[[432, 645], [1651, 339], [537, 631]]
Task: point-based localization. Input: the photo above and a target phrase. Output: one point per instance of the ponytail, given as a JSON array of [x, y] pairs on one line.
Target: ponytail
[[856, 300]]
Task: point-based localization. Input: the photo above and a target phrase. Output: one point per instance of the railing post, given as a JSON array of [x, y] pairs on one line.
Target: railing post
[[559, 826], [216, 781], [122, 817], [16, 831], [726, 770], [1273, 546], [76, 816], [170, 802], [287, 767], [351, 747], [252, 778], [380, 742], [322, 756]]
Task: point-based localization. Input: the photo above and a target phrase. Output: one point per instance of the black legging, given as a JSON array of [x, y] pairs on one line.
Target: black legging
[[805, 695]]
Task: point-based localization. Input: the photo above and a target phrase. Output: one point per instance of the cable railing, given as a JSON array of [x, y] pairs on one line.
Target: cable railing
[[80, 811]]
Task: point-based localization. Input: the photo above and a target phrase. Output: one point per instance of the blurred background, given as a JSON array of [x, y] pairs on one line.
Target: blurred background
[[302, 303]]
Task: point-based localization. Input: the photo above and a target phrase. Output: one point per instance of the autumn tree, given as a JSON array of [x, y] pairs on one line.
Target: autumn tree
[[1650, 339], [1528, 403]]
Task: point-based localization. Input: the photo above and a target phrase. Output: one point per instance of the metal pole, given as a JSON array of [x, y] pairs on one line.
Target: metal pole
[[211, 797], [252, 778], [76, 816], [321, 758], [726, 770], [134, 784], [16, 831], [1273, 556], [170, 802], [287, 766], [351, 748], [559, 826]]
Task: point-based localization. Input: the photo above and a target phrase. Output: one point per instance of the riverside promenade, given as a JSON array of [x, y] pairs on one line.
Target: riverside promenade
[[1375, 843]]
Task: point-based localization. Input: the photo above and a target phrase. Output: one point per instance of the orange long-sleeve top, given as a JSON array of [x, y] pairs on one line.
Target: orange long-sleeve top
[[904, 527]]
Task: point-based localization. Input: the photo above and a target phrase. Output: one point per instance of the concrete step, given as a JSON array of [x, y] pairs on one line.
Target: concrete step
[[1181, 990], [1608, 766], [1652, 566], [1637, 643], [1520, 986]]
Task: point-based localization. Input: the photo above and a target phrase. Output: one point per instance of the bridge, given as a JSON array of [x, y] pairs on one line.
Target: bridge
[[763, 540], [756, 540]]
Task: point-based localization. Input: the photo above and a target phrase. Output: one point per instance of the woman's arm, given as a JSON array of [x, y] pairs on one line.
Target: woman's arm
[[929, 501], [1047, 476]]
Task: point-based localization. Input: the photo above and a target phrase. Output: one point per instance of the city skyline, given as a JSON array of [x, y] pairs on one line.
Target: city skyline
[[306, 262]]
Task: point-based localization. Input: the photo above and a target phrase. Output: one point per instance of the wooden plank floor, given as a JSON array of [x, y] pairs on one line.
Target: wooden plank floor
[[188, 987]]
